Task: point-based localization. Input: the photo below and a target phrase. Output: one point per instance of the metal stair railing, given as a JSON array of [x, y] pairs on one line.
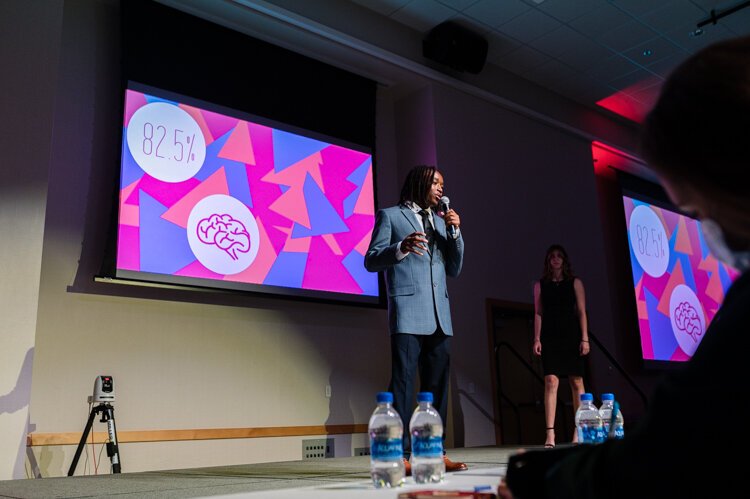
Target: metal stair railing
[[500, 392], [530, 368], [619, 368]]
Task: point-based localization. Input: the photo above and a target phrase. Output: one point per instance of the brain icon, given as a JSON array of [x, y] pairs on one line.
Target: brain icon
[[687, 319], [225, 232]]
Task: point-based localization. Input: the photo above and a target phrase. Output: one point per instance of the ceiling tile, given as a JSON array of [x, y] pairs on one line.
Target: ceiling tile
[[500, 45], [707, 5], [385, 7], [737, 21], [635, 7], [586, 56], [567, 10], [648, 96], [550, 71], [458, 5], [652, 51], [583, 89], [627, 36], [472, 24], [522, 59], [624, 105], [629, 82], [672, 15], [599, 21], [648, 81], [558, 41], [665, 66], [611, 69], [495, 13], [423, 15], [681, 36], [530, 25]]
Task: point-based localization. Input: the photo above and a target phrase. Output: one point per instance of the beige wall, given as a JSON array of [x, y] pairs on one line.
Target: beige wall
[[29, 39]]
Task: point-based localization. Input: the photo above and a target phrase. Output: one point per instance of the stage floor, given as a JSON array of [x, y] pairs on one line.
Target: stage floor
[[324, 478]]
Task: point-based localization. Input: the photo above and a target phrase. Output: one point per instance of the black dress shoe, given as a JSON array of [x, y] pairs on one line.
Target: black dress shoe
[[453, 465]]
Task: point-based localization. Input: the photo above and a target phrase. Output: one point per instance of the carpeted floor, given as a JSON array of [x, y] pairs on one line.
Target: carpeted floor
[[311, 478]]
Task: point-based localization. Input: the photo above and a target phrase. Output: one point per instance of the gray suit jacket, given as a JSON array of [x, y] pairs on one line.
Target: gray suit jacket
[[417, 284]]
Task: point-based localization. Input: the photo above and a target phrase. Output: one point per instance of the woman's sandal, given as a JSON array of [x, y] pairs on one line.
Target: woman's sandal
[[548, 445]]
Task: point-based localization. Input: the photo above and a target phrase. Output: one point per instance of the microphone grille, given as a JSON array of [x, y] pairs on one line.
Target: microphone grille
[[444, 200]]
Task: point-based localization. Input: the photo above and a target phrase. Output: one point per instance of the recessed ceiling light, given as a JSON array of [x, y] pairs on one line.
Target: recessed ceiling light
[[647, 52]]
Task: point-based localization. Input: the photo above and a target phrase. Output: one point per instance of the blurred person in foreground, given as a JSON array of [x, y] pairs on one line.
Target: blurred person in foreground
[[697, 140]]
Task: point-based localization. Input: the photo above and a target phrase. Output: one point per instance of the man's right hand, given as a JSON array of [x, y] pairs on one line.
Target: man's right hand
[[416, 242]]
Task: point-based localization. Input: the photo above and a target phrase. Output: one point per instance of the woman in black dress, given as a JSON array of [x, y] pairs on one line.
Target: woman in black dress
[[560, 325]]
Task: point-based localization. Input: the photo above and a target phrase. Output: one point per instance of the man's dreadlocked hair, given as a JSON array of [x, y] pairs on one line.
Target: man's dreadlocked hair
[[417, 185]]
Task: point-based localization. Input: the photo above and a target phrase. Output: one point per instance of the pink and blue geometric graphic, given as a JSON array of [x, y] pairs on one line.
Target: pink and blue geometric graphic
[[310, 203], [679, 285]]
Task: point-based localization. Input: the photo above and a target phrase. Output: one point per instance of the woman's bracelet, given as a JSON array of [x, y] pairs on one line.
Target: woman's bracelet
[[584, 341]]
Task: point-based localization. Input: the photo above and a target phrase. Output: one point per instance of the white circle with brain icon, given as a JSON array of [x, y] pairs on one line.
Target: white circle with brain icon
[[223, 234], [687, 318]]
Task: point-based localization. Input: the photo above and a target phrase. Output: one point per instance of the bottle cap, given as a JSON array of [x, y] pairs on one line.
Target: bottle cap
[[384, 397], [587, 396], [424, 397], [608, 396]]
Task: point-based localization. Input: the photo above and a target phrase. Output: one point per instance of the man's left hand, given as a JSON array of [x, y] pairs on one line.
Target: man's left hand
[[452, 218]]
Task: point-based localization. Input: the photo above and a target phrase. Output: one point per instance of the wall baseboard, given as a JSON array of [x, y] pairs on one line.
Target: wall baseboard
[[131, 436]]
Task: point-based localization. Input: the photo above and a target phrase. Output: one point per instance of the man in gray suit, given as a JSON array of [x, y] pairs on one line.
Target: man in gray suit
[[415, 249]]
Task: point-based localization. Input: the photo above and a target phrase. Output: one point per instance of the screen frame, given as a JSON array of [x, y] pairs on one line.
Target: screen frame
[[648, 192], [111, 274]]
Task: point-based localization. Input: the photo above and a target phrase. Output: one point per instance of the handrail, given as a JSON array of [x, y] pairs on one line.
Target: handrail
[[528, 367], [498, 345], [512, 350], [621, 370], [536, 376]]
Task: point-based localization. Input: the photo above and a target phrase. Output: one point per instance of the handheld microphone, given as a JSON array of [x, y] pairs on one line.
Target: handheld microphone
[[444, 207]]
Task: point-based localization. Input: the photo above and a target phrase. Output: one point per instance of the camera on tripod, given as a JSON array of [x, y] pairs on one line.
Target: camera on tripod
[[103, 396], [104, 390]]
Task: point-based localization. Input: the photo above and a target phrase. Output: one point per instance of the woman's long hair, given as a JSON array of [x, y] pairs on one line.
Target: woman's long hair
[[567, 268]]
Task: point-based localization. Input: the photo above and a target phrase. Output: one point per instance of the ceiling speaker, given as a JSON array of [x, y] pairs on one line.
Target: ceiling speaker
[[455, 46]]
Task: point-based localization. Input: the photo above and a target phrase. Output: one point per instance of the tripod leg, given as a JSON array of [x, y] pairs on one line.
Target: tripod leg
[[82, 443], [113, 450]]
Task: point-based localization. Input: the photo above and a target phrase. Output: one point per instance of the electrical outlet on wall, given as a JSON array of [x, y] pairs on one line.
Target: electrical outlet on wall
[[319, 448]]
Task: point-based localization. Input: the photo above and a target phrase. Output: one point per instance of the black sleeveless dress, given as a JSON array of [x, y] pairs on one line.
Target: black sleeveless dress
[[561, 331]]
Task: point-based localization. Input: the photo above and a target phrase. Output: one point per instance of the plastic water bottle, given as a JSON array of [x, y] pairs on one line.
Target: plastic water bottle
[[605, 411], [386, 444], [426, 429], [588, 421]]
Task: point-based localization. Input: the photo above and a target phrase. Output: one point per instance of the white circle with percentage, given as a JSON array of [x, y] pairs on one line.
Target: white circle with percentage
[[649, 241], [166, 142], [687, 318], [223, 234]]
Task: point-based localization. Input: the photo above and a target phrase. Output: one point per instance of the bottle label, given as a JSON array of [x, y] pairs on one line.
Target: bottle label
[[619, 431], [427, 446], [600, 435], [386, 450], [590, 434]]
